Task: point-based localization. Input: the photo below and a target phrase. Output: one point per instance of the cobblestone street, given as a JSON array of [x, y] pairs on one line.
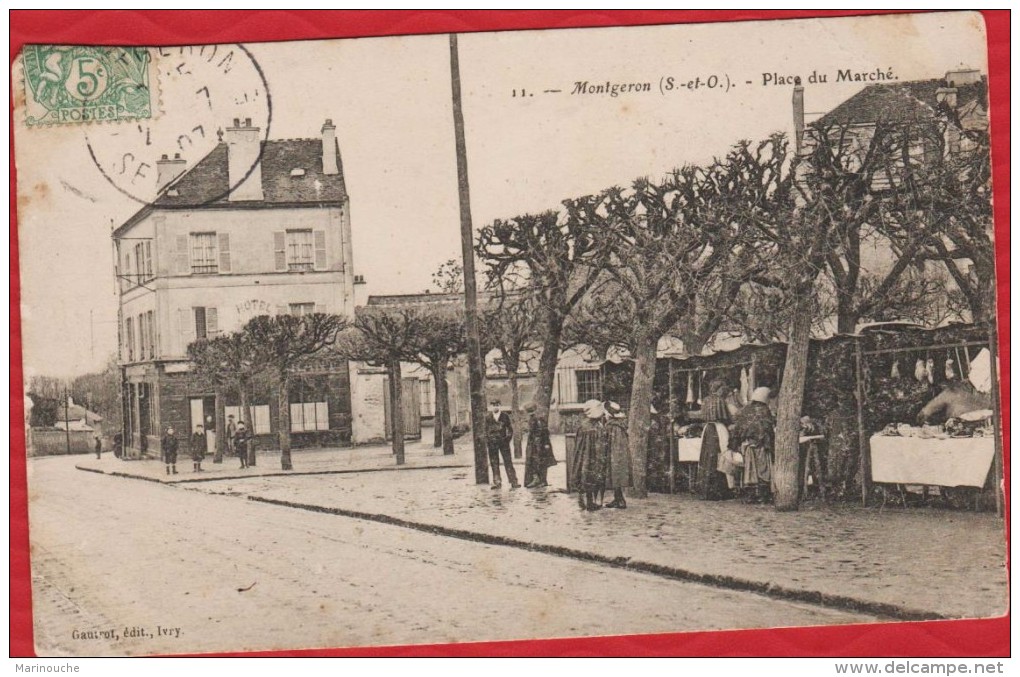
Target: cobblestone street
[[919, 562]]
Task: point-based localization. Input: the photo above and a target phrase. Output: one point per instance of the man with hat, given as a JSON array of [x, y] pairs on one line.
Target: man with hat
[[499, 430]]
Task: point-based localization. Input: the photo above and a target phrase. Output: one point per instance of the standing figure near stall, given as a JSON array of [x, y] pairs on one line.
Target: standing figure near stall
[[591, 456], [659, 449], [539, 454], [754, 435], [618, 473], [717, 411]]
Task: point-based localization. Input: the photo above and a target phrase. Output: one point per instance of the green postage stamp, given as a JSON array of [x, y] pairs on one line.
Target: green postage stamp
[[75, 84]]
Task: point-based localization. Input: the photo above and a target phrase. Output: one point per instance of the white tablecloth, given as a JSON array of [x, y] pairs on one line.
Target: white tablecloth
[[955, 462], [689, 449]]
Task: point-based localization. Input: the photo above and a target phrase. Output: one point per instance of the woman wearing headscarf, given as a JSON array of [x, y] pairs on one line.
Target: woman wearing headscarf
[[538, 454], [717, 411], [754, 434], [618, 473], [591, 456]]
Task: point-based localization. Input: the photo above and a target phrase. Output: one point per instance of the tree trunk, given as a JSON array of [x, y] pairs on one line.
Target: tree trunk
[[397, 411], [437, 410], [547, 368], [221, 426], [791, 398], [283, 398], [846, 316], [515, 414], [247, 418], [443, 413], [641, 410]]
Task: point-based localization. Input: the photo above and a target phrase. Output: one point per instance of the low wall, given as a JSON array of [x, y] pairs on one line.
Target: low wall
[[54, 442]]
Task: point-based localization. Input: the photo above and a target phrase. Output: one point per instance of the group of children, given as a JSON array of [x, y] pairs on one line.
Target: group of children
[[239, 442]]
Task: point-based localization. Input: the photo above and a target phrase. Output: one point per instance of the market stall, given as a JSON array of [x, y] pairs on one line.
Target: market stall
[[927, 412]]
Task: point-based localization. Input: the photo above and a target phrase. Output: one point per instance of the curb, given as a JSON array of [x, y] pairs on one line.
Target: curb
[[838, 602], [277, 473]]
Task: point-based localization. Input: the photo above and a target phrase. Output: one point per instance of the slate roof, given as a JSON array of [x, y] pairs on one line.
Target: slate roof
[[206, 184], [900, 102]]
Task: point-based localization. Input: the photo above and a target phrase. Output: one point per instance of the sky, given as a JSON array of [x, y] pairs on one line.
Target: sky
[[390, 98]]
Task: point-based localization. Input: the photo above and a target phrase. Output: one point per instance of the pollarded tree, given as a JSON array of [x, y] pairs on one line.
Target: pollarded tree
[[510, 326], [284, 342], [677, 256], [555, 259], [389, 335], [439, 337]]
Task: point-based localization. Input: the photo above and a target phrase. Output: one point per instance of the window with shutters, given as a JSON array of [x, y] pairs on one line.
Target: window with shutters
[[143, 336], [206, 323], [300, 250], [204, 258], [129, 339], [143, 262], [151, 319]]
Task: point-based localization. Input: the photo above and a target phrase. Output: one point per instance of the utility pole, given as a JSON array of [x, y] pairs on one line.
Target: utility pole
[[467, 240], [67, 420]]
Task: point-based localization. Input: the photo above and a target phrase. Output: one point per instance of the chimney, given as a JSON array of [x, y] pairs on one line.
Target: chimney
[[963, 76], [244, 161], [168, 171], [798, 115], [330, 166]]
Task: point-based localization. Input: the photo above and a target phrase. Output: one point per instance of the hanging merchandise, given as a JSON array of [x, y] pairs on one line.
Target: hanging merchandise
[[701, 386], [929, 370], [752, 378], [745, 393], [981, 371], [950, 371], [895, 369], [919, 372], [690, 388]]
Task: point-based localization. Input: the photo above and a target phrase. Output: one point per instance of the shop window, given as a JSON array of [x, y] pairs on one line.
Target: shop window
[[259, 417], [309, 416]]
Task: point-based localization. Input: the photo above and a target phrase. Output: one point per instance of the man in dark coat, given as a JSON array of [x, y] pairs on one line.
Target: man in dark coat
[[539, 454], [241, 441], [99, 447], [168, 447], [499, 430], [198, 448]]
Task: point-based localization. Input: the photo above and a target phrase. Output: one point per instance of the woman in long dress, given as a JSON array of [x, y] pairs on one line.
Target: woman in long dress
[[539, 454], [717, 412], [591, 456], [754, 434], [618, 474]]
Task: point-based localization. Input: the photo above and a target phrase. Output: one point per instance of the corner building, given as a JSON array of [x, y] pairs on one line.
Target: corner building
[[254, 228]]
